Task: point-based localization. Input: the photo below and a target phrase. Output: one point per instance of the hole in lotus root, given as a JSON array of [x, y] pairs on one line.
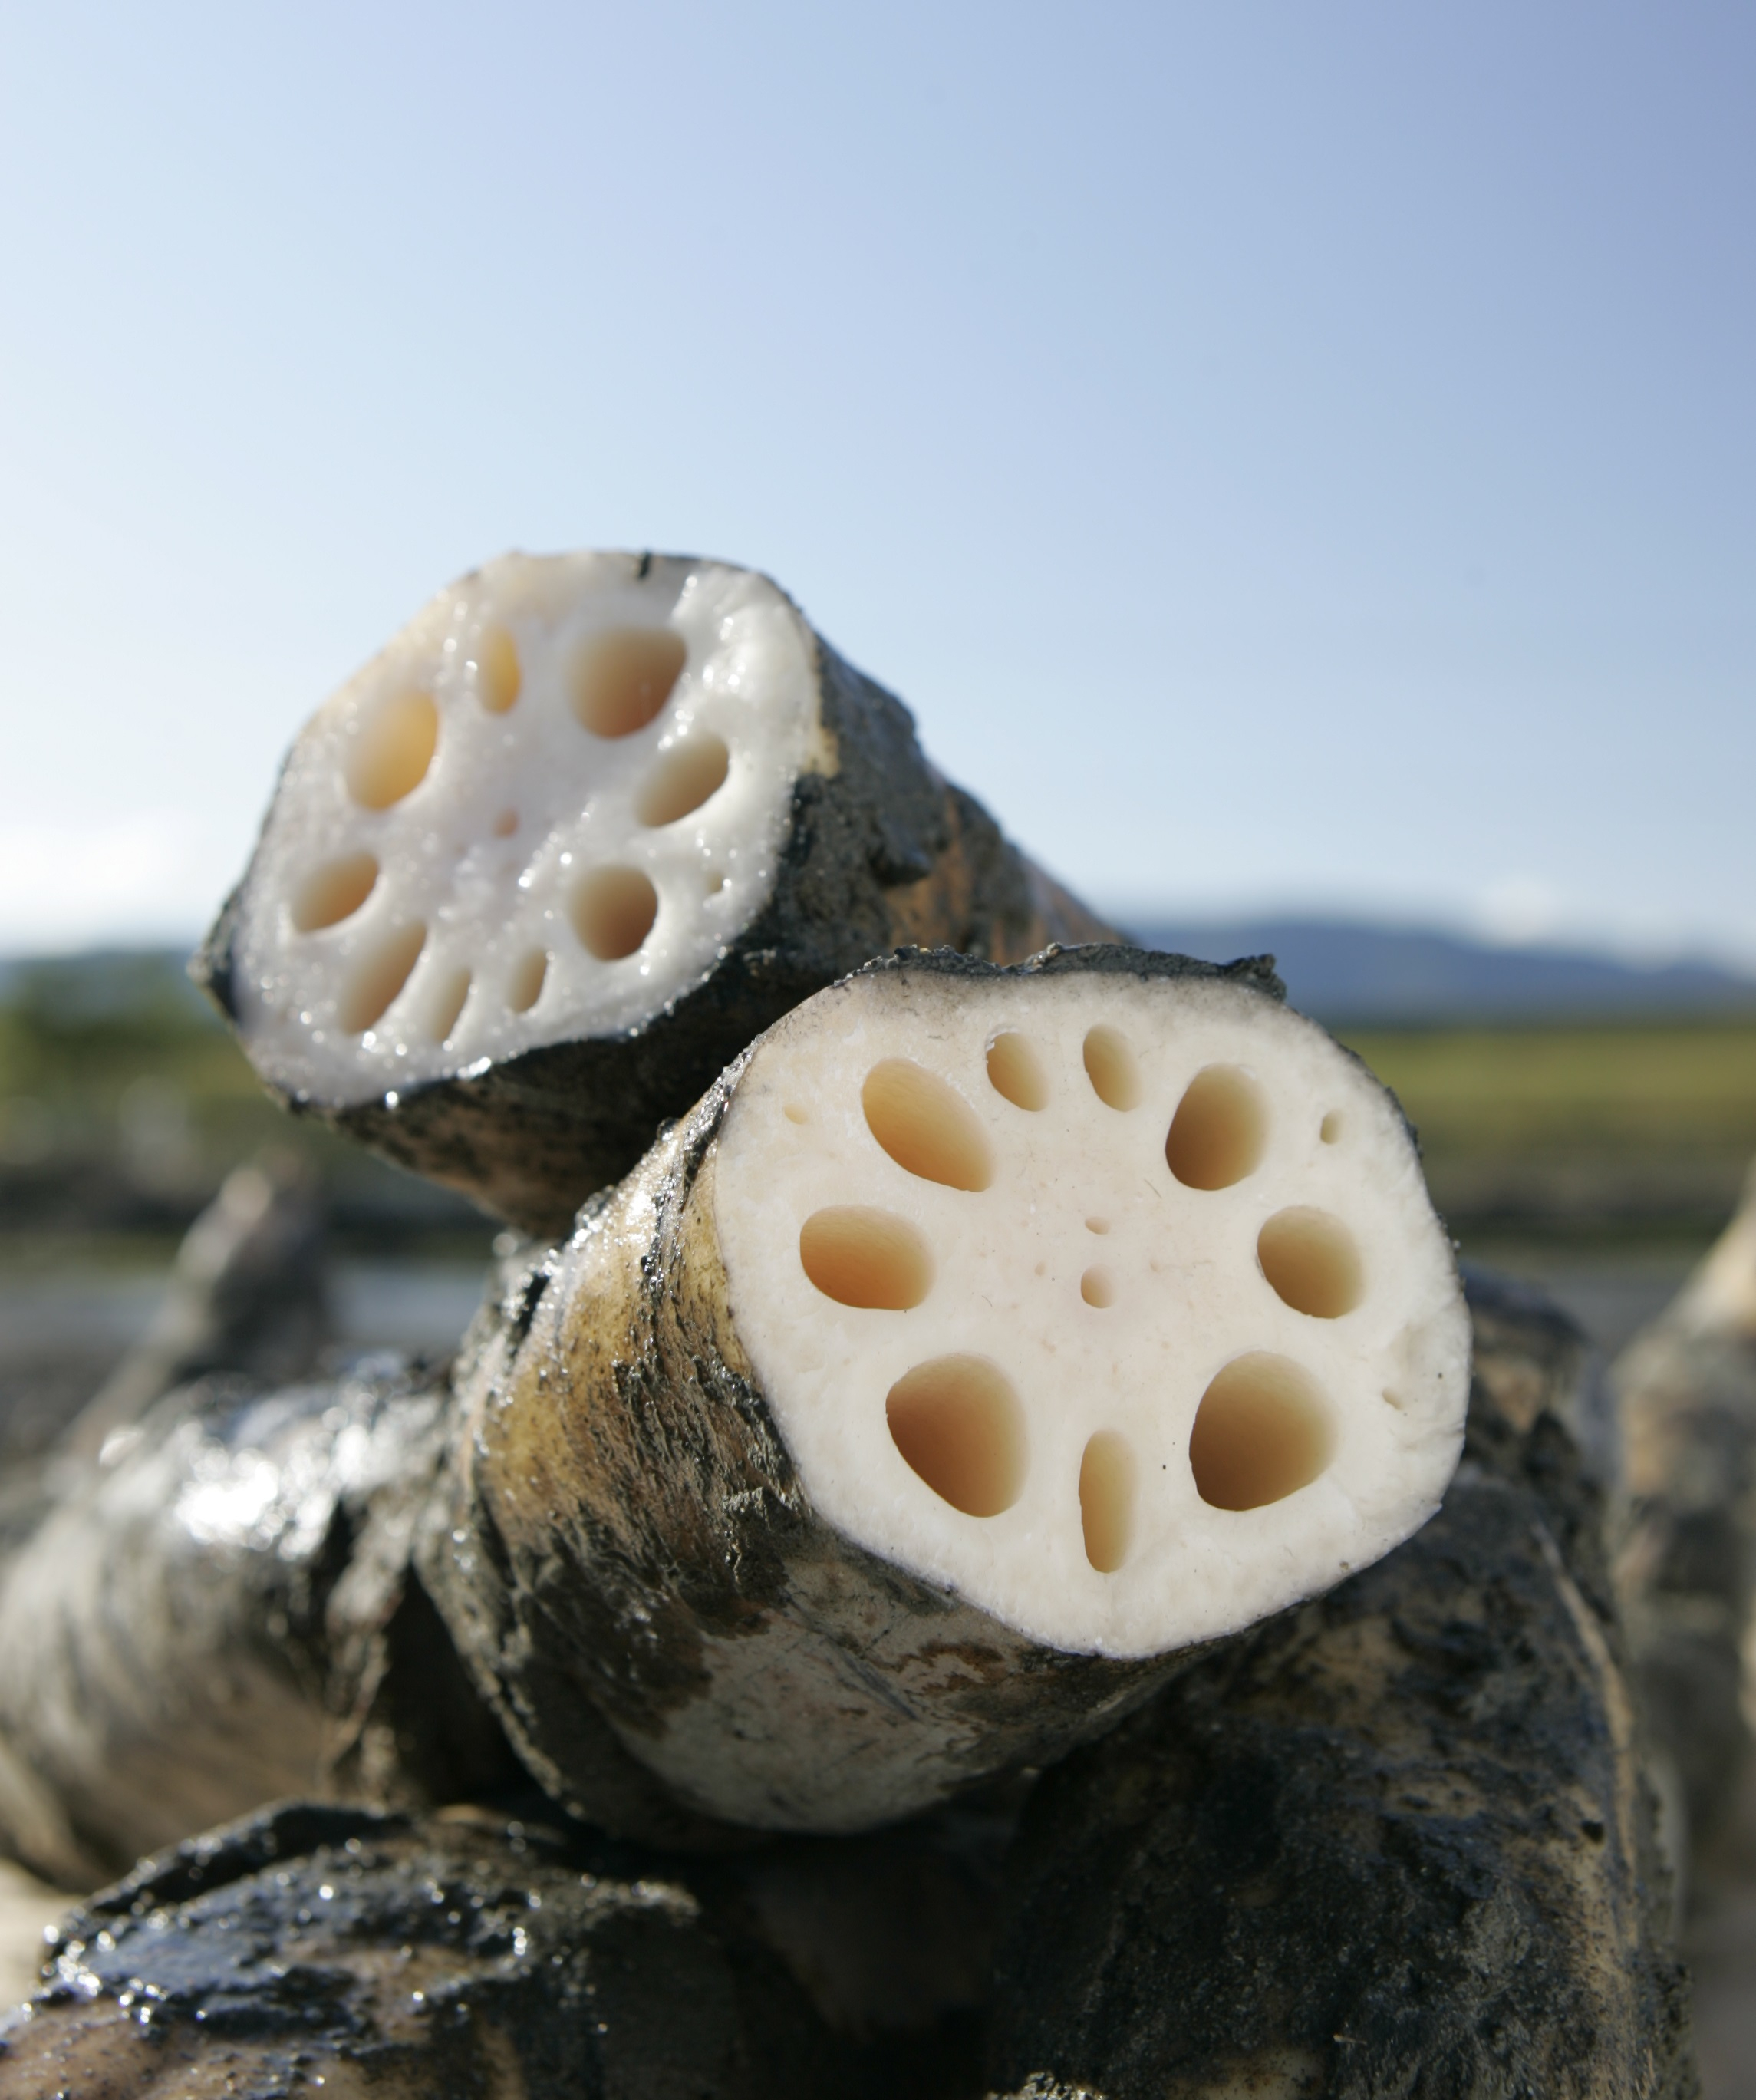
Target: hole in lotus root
[[498, 678], [1311, 1260], [1098, 1287], [613, 909], [866, 1258], [685, 777], [1110, 1066], [1219, 1131], [1106, 1500], [1261, 1433], [1330, 1129], [525, 986], [958, 1423], [927, 1127], [377, 977], [446, 1007], [334, 891], [392, 750], [622, 678], [1016, 1072]]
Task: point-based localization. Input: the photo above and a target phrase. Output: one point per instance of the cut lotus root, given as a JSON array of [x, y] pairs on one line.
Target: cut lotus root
[[574, 796], [988, 1341]]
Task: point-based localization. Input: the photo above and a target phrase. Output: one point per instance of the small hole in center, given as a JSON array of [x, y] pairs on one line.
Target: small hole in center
[[1097, 1224], [1330, 1129], [505, 823], [1098, 1287]]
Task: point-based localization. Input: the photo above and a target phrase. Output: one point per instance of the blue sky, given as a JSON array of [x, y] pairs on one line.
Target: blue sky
[[1291, 456]]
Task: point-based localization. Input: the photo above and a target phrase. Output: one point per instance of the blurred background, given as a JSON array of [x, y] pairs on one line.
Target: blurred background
[[1297, 462]]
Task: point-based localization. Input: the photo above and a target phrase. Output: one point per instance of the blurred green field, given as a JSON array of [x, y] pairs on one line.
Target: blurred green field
[[123, 1101], [1619, 1131]]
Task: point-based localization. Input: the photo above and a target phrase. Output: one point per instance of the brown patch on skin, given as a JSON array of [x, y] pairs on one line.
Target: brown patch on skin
[[1435, 1766]]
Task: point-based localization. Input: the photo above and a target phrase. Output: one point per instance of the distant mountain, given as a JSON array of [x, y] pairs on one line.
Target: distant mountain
[[1338, 970], [1346, 970]]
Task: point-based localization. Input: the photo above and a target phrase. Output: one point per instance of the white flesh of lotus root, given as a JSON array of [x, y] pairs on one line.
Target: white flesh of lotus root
[[1119, 1307], [544, 809]]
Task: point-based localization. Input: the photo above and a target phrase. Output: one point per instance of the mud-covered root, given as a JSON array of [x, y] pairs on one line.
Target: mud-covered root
[[1686, 1388], [222, 1612], [321, 1948], [582, 831], [475, 1953], [1398, 1841], [988, 1343]]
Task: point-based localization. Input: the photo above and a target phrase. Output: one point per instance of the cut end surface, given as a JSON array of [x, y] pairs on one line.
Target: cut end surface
[[590, 756], [1129, 1455]]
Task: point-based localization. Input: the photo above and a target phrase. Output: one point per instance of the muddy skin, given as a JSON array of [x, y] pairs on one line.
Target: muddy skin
[[222, 1612], [881, 851], [1398, 1841], [626, 1542], [476, 1956]]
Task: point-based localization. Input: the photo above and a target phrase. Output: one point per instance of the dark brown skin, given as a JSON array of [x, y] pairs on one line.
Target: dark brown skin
[[285, 1955], [1397, 1843], [881, 853]]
